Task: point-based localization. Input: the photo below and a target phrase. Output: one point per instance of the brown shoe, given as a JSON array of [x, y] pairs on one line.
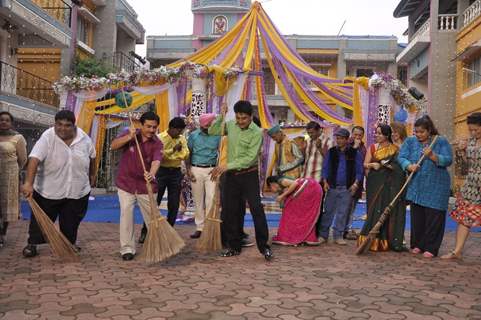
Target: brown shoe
[[196, 235], [351, 235]]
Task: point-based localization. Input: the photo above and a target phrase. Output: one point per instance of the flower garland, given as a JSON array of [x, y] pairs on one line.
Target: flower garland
[[139, 77], [398, 91]]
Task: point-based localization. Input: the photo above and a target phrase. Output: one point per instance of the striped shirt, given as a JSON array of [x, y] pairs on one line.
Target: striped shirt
[[314, 158]]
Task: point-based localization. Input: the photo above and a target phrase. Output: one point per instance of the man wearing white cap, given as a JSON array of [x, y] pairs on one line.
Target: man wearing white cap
[[203, 158]]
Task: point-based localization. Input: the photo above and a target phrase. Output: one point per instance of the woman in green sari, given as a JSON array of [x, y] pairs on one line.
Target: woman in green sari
[[384, 180]]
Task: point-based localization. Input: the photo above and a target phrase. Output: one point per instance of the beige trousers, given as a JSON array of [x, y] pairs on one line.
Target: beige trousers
[[127, 203], [203, 190]]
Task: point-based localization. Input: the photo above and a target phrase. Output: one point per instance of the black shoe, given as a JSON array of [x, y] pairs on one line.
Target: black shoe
[[196, 235], [268, 255], [230, 253], [244, 236], [143, 235], [127, 256], [246, 243], [30, 251]]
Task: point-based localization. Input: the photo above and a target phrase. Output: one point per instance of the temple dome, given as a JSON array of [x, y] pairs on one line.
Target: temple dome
[[221, 5]]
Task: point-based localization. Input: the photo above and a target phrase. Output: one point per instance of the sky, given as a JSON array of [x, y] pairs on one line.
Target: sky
[[308, 17]]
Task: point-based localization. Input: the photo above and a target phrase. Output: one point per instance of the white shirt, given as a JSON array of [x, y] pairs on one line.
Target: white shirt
[[63, 171]]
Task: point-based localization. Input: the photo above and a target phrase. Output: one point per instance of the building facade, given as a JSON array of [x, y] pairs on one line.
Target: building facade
[[28, 96], [335, 56], [431, 53], [468, 67], [39, 40]]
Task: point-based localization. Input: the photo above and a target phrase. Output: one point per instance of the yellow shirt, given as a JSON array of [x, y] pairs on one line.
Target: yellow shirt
[[171, 158]]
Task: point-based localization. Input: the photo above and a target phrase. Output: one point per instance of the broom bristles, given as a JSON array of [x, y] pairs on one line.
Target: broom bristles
[[162, 241], [58, 243], [211, 238]]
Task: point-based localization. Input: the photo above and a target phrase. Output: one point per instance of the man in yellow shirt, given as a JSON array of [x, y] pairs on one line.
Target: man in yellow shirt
[[170, 175]]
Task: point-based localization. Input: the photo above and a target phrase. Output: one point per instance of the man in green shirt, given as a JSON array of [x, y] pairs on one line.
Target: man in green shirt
[[244, 140]]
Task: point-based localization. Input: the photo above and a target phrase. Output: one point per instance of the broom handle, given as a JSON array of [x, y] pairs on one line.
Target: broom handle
[[383, 217]]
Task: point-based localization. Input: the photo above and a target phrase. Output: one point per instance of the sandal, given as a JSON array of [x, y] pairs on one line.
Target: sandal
[[30, 251], [428, 255], [450, 256], [416, 251]]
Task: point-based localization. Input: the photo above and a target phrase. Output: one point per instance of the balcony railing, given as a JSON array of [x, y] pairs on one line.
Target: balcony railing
[[447, 22], [472, 12], [422, 29], [16, 81], [120, 61], [58, 9]]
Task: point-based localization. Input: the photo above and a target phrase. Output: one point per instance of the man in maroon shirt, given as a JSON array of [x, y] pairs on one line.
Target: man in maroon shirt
[[131, 178]]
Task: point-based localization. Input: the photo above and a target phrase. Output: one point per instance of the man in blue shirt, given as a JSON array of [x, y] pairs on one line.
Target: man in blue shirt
[[203, 158], [342, 173]]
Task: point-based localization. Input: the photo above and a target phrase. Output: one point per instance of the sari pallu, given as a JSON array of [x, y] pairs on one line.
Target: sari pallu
[[300, 213], [381, 187]]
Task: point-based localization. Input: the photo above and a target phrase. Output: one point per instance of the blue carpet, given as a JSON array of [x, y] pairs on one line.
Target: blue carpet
[[105, 208]]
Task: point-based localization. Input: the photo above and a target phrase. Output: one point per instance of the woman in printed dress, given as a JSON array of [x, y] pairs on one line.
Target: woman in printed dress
[[301, 199], [13, 156], [429, 190], [467, 212]]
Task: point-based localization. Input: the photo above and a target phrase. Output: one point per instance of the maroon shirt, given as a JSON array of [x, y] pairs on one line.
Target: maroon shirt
[[130, 175]]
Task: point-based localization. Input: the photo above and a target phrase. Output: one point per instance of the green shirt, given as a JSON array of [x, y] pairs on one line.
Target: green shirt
[[243, 146]]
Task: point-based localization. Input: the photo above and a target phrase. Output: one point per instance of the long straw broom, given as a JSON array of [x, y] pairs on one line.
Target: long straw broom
[[211, 237], [58, 243], [387, 211], [162, 240]]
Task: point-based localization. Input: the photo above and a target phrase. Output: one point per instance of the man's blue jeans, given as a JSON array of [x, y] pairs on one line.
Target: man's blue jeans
[[337, 204]]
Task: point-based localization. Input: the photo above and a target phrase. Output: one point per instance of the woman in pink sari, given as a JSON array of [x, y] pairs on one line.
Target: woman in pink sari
[[302, 200]]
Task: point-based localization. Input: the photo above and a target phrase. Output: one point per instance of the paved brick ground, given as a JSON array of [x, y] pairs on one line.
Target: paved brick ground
[[327, 282]]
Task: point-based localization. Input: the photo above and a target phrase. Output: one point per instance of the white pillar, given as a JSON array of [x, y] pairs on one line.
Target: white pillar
[[199, 98]]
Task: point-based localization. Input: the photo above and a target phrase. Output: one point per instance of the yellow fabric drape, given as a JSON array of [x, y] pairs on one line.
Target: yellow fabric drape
[[279, 83], [137, 102], [208, 53], [309, 102], [356, 103], [110, 102], [100, 140], [86, 116], [259, 88], [162, 110]]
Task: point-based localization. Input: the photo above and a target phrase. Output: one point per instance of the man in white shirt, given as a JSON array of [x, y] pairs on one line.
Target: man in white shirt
[[60, 173]]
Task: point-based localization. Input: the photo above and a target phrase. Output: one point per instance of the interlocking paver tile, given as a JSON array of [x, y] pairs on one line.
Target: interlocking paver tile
[[326, 282]]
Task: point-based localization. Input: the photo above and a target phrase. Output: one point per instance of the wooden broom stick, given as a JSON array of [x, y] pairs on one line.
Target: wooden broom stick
[[387, 211]]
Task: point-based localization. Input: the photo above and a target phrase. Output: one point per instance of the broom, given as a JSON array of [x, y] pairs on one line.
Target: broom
[[387, 211], [58, 243], [162, 240], [211, 238]]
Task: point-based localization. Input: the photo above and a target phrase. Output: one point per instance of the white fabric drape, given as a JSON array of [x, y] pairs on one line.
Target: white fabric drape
[[89, 95], [173, 101], [151, 90], [234, 95]]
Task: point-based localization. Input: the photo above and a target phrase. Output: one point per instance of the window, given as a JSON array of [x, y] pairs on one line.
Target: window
[[361, 72], [83, 31], [322, 69], [473, 73]]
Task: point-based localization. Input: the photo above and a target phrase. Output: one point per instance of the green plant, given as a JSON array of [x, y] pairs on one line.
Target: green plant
[[89, 67]]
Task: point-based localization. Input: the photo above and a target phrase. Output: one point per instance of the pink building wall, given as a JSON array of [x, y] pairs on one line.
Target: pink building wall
[[198, 29]]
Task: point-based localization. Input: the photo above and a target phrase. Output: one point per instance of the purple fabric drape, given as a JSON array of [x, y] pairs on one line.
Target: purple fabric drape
[[71, 101], [372, 116]]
